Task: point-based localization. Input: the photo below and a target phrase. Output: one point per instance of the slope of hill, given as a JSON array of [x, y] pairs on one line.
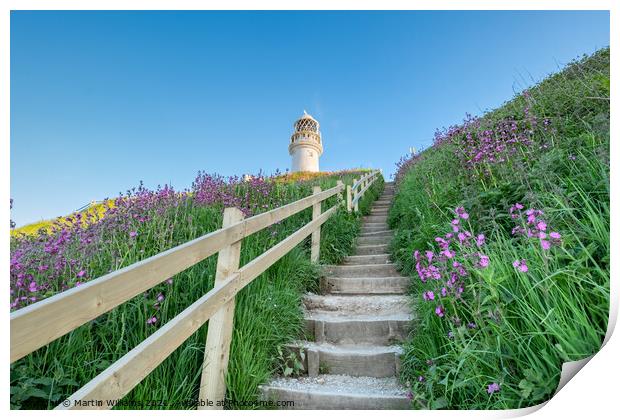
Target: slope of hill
[[504, 226]]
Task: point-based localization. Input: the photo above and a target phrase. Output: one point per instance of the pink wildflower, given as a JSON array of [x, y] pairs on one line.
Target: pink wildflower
[[484, 261], [521, 265]]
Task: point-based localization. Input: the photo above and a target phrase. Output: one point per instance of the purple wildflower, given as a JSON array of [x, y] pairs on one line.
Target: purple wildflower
[[493, 388]]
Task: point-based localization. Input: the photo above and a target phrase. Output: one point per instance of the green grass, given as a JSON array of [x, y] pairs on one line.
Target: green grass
[[527, 324], [267, 313]]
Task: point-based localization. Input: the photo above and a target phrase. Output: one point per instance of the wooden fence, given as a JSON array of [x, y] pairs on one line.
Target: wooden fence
[[41, 323]]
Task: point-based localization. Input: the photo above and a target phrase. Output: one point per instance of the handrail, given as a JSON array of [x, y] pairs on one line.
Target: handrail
[[362, 191], [364, 178], [41, 323], [355, 193], [37, 325], [120, 377]]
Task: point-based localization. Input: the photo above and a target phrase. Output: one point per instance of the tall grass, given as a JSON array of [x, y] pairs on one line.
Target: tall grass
[[528, 302], [267, 313]]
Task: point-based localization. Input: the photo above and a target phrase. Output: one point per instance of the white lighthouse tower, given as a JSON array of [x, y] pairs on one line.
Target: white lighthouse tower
[[306, 147]]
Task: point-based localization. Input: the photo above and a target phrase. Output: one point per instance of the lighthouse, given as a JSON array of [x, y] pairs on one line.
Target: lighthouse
[[305, 147]]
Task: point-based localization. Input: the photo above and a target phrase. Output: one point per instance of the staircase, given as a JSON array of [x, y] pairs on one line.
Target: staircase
[[353, 360]]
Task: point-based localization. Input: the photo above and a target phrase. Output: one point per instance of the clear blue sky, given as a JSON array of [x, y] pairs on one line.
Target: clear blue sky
[[102, 100]]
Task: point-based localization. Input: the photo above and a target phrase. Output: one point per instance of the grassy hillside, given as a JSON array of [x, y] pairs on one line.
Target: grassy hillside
[[99, 208], [144, 223], [503, 225]]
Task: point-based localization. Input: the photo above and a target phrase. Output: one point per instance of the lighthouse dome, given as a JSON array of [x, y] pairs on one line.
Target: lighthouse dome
[[306, 123]]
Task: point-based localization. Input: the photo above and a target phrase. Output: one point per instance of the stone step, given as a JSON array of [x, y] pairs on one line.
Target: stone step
[[362, 270], [375, 219], [367, 259], [371, 249], [365, 285], [379, 211], [337, 392], [353, 360], [381, 330], [382, 239]]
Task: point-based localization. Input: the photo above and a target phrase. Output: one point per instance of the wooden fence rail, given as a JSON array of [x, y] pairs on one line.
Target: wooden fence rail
[[41, 323]]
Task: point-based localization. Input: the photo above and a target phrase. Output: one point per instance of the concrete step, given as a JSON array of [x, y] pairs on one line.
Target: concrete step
[[382, 239], [379, 211], [365, 285], [371, 249], [354, 305], [382, 218], [385, 232], [362, 270], [353, 360], [338, 392], [367, 259], [381, 330], [381, 227]]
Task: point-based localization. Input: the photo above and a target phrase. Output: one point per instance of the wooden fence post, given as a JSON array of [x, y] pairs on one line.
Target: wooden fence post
[[219, 335], [339, 183], [349, 206], [316, 235], [354, 191]]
